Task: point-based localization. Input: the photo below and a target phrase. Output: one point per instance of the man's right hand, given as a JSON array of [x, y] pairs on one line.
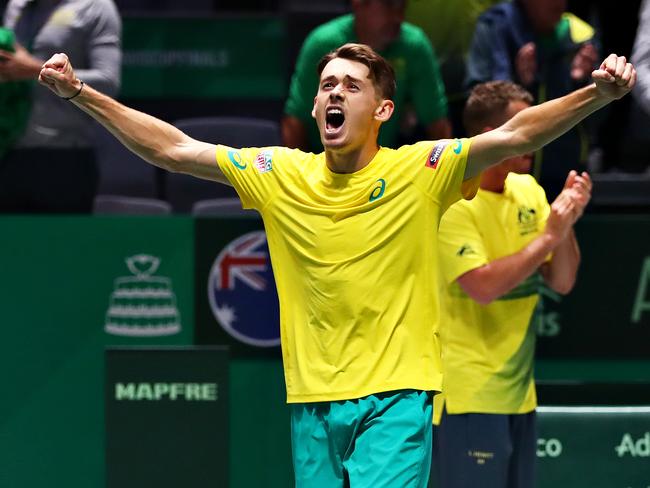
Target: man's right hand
[[57, 74]]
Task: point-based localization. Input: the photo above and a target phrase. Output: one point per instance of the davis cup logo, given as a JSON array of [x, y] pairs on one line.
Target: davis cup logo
[[242, 293], [143, 304]]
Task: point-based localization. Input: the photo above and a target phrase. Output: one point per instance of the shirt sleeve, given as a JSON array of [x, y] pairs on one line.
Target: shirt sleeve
[[441, 170], [251, 171], [426, 82], [460, 244]]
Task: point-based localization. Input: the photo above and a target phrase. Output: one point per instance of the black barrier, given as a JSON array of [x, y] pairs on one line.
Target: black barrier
[[607, 314], [166, 417]]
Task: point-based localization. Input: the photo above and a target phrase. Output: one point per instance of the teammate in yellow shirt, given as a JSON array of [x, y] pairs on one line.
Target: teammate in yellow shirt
[[353, 252], [494, 252]]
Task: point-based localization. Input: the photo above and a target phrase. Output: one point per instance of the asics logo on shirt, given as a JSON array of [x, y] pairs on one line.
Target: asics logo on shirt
[[378, 191], [464, 250], [235, 158]]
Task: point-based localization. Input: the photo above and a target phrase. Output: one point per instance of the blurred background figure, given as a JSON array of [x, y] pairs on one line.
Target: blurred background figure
[[495, 250], [641, 56], [635, 152], [550, 52], [51, 166], [450, 27], [379, 24], [616, 25]]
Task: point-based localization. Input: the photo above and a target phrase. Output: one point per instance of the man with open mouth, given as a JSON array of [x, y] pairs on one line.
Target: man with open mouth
[[352, 234]]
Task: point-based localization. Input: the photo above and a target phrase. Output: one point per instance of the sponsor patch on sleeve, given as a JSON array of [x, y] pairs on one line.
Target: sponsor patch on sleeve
[[436, 154], [264, 161]]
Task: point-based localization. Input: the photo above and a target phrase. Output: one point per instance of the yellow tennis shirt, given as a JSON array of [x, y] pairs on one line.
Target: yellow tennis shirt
[[355, 260], [488, 350]]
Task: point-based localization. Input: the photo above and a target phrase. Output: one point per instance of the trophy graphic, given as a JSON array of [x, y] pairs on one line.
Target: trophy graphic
[[142, 305]]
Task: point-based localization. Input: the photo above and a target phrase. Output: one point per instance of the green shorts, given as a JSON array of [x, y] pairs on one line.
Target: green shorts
[[379, 441]]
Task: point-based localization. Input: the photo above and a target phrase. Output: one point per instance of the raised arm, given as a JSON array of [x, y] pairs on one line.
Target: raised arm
[[155, 141], [536, 126]]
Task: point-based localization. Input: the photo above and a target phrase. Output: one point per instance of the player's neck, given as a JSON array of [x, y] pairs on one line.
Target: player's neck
[[343, 160]]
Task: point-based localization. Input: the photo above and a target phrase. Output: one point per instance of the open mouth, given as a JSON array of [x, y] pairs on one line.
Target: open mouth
[[334, 119]]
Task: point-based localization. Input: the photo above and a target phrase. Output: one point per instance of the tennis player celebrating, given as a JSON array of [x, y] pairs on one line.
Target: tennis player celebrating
[[352, 234]]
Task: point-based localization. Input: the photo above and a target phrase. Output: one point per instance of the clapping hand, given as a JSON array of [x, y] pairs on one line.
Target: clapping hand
[[578, 189]]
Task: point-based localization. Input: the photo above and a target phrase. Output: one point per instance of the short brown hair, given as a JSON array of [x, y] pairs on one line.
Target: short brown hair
[[488, 102], [380, 71]]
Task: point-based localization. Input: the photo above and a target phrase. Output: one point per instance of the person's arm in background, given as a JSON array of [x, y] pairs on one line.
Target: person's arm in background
[[102, 45], [534, 127], [18, 65], [155, 141], [560, 273], [427, 88], [104, 53], [583, 62], [641, 57], [496, 278]]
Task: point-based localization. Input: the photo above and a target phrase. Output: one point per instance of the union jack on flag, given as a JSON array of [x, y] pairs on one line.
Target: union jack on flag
[[242, 260]]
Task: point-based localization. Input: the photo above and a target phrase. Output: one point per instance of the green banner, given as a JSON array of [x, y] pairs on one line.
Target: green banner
[[66, 282], [167, 417], [214, 57], [73, 285]]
